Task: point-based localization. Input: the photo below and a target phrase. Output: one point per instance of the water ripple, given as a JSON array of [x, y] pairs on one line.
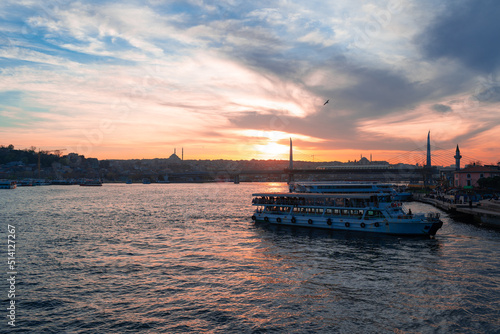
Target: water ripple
[[187, 259]]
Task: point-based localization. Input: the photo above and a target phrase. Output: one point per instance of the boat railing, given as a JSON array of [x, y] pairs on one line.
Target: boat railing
[[433, 215], [314, 203], [405, 216]]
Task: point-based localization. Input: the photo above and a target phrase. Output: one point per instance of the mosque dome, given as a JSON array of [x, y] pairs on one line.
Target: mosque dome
[[174, 158]]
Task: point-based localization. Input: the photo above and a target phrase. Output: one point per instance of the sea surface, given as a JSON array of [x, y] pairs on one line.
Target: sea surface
[[186, 258]]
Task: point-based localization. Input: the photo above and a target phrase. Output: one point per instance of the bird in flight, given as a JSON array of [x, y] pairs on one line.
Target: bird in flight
[[326, 102]]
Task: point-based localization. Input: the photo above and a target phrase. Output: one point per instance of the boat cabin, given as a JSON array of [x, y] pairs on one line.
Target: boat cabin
[[358, 206]]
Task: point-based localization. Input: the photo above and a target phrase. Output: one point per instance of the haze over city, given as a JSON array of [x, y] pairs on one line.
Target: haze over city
[[237, 79]]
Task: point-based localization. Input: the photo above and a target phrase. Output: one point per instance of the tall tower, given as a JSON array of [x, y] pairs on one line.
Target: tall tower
[[182, 154], [428, 150], [457, 158], [290, 168]]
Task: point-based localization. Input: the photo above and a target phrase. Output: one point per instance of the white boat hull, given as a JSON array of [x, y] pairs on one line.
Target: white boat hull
[[383, 226]]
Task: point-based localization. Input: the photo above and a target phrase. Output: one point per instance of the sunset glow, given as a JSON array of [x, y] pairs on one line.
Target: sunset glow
[[236, 80]]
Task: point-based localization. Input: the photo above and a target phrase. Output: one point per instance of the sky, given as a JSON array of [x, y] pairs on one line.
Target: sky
[[235, 79]]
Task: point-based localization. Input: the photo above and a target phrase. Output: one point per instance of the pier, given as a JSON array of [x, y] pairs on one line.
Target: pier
[[485, 212]]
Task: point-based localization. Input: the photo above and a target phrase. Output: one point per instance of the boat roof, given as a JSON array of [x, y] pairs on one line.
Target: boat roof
[[319, 195]]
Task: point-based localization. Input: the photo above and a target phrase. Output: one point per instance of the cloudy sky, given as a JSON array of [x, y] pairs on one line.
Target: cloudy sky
[[236, 79]]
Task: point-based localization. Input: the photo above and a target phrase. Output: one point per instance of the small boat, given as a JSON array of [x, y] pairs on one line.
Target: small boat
[[91, 183], [146, 181], [7, 184], [366, 212]]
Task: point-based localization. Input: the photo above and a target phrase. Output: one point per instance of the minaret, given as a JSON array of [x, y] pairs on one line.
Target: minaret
[[428, 150], [457, 158], [182, 154], [290, 168]]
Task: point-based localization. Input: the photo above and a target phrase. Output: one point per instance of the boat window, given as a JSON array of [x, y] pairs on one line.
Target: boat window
[[356, 212], [374, 214]]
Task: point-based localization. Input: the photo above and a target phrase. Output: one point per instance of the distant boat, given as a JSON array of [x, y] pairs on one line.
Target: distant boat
[[41, 182], [61, 182], [128, 181], [25, 183], [91, 183], [7, 184], [146, 181]]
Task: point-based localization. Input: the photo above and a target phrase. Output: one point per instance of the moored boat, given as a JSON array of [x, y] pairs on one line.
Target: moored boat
[[367, 212], [91, 183], [25, 183], [7, 184]]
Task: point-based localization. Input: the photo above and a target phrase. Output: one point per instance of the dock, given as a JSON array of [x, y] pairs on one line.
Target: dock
[[485, 212]]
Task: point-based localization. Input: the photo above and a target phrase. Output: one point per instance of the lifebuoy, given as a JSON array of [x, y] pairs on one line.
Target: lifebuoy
[[278, 220], [254, 218], [310, 221], [329, 221], [347, 224], [376, 224], [266, 219], [294, 220], [362, 225]]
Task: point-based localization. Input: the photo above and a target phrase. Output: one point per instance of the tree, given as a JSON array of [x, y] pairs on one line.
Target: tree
[[490, 183]]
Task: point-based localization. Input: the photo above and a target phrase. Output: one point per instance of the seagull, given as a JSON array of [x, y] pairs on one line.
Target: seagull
[[326, 102]]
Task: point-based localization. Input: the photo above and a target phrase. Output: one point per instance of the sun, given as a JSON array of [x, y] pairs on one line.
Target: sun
[[272, 150]]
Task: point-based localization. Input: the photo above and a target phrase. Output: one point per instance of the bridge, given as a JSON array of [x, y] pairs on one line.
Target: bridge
[[398, 172], [387, 174]]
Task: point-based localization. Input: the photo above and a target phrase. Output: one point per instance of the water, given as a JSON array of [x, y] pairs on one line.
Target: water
[[186, 258]]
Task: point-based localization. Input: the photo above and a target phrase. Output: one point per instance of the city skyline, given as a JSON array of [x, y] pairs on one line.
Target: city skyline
[[236, 80]]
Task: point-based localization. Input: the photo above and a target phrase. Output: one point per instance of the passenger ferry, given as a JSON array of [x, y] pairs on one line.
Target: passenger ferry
[[349, 187], [367, 212]]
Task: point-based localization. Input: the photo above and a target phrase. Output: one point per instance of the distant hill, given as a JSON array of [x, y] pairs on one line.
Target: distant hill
[[8, 154]]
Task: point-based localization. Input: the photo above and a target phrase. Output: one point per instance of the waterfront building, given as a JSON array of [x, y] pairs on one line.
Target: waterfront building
[[469, 176]]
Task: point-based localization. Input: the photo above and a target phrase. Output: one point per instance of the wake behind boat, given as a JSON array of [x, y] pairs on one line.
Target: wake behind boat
[[367, 212]]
